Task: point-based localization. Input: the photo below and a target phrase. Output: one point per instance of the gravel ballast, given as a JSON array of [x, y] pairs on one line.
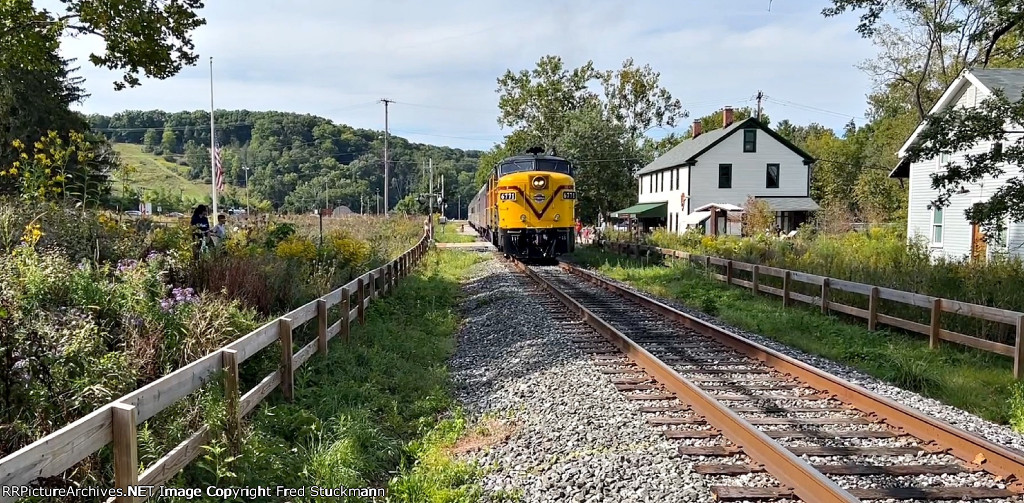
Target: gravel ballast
[[996, 433], [573, 437]]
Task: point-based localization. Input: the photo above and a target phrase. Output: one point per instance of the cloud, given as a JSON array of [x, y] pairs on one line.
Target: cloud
[[440, 60]]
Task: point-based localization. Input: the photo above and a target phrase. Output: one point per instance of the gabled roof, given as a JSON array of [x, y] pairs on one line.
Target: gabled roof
[[687, 151], [1009, 80]]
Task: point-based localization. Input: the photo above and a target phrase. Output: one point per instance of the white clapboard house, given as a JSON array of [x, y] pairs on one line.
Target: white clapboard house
[[947, 231], [704, 181]]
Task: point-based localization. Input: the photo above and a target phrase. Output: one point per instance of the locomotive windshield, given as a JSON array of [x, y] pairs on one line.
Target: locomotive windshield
[[518, 165]]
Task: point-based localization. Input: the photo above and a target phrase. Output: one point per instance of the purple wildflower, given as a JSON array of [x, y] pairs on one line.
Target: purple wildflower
[[127, 265], [153, 255]]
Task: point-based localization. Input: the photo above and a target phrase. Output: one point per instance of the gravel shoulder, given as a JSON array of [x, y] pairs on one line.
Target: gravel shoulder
[[571, 435], [999, 434]]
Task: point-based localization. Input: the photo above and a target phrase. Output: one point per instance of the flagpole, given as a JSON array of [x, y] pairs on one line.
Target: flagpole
[[213, 149]]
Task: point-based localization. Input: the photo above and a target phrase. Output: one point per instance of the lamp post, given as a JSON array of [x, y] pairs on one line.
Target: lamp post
[[246, 169]]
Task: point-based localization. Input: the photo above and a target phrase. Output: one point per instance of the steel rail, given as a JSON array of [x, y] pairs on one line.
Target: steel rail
[[791, 471], [996, 459]]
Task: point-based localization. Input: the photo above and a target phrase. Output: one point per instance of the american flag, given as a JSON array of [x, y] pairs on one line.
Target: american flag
[[218, 168]]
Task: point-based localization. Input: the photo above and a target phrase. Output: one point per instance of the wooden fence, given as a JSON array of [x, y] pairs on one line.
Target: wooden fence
[[116, 422], [825, 285]]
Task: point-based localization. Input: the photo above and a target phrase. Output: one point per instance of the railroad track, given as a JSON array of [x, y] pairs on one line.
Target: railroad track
[[765, 426]]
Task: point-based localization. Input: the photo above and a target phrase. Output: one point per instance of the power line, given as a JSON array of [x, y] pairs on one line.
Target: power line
[[783, 102]]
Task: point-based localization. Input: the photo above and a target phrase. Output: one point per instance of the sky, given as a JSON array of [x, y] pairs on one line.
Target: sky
[[439, 61]]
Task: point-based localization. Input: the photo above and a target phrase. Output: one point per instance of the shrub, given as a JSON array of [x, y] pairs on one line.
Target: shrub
[[296, 248]]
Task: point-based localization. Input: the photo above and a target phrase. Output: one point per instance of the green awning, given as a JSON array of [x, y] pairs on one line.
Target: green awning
[[644, 210]]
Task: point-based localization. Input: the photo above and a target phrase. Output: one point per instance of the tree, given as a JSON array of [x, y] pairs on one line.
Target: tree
[[758, 217], [997, 19], [537, 102], [169, 142], [140, 36], [601, 153], [949, 35], [603, 135], [636, 101], [408, 205], [961, 128]]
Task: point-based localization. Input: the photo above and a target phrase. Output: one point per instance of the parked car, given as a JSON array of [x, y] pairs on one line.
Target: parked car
[[133, 213]]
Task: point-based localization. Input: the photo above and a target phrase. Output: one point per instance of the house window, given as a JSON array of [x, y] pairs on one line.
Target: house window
[[650, 183], [937, 226], [661, 182], [678, 173], [997, 148], [725, 176], [750, 140], [943, 160], [772, 177], [671, 179]]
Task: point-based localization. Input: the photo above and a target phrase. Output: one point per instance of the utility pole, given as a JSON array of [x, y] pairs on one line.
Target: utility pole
[[246, 169], [760, 95], [386, 167], [430, 197]]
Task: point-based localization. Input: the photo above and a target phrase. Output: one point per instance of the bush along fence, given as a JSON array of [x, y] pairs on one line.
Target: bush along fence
[[859, 300], [117, 422]]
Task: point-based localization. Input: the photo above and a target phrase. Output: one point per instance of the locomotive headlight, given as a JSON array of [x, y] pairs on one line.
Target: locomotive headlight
[[522, 218], [540, 182], [557, 216]]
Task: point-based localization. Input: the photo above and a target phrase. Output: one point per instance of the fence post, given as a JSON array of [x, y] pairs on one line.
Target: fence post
[[754, 286], [287, 369], [321, 326], [933, 339], [707, 265], [873, 309], [824, 296], [126, 448], [346, 310], [786, 282], [361, 286], [229, 360], [1018, 356], [728, 272]]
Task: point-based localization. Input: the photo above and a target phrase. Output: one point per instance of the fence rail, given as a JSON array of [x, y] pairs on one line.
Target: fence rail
[[116, 422], [936, 305]]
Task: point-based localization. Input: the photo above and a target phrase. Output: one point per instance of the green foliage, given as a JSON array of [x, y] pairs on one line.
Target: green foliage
[[297, 162], [553, 107], [156, 42], [881, 257], [369, 413]]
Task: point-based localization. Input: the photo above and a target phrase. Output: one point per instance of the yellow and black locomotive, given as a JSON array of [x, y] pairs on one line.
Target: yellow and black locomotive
[[527, 206]]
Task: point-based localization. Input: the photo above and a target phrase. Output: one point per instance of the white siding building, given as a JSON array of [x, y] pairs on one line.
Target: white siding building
[[709, 177], [947, 231]]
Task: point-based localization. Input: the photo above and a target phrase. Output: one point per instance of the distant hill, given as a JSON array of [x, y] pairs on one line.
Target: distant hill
[[293, 159], [156, 173]]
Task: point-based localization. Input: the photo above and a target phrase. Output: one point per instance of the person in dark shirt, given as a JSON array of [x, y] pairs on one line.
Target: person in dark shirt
[[200, 225]]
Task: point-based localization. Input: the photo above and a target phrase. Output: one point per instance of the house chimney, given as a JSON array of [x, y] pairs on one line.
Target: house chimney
[[726, 116], [696, 128]]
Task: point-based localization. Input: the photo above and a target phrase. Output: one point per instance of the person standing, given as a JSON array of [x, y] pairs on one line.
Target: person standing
[[200, 226], [579, 226], [220, 231]]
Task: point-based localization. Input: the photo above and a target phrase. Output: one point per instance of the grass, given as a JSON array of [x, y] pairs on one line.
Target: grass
[[375, 412], [155, 172], [449, 233], [975, 381]]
